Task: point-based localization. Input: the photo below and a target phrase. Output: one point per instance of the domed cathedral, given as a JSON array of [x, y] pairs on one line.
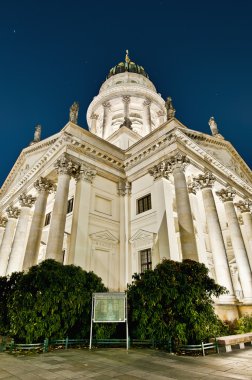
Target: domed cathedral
[[138, 187]]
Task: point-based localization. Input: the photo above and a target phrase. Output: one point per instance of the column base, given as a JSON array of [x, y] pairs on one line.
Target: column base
[[247, 301], [226, 299]]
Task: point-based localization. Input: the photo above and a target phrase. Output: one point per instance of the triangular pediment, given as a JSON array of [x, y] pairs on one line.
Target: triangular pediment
[[104, 236], [142, 235], [28, 159], [223, 152]]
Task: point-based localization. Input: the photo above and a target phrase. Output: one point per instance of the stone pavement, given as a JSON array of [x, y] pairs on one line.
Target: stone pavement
[[117, 364]]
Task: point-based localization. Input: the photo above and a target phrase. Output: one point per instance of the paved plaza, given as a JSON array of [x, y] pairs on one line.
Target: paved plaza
[[119, 364]]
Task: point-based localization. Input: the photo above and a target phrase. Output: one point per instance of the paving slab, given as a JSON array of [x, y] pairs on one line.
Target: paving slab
[[118, 364]]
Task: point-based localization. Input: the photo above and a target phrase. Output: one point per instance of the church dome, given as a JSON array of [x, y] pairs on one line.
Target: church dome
[[127, 66]]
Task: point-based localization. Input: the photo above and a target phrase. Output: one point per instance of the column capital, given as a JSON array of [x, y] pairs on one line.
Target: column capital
[[178, 161], [160, 113], [64, 165], [205, 180], [3, 221], [192, 188], [147, 102], [43, 184], [244, 206], [226, 194], [26, 200], [94, 116], [13, 212], [126, 98], [106, 105], [124, 188], [164, 168], [86, 173]]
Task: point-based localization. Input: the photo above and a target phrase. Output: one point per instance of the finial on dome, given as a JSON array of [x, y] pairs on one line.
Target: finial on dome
[[127, 58]]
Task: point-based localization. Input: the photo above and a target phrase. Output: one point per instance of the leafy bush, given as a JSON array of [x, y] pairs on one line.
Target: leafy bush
[[244, 324], [50, 300], [174, 301]]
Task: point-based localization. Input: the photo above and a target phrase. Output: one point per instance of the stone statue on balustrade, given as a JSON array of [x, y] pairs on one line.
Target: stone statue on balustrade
[[37, 134], [127, 123], [169, 108], [73, 113]]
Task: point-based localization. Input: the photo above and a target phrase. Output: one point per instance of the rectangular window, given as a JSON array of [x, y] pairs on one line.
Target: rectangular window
[[47, 218], [144, 204], [70, 205], [145, 259]]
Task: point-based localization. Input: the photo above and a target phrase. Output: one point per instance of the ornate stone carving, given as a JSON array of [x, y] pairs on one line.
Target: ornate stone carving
[[205, 180], [13, 212], [213, 126], [160, 113], [73, 113], [3, 221], [164, 168], [192, 187], [126, 99], [244, 206], [43, 184], [127, 123], [106, 105], [37, 134], [94, 116], [26, 200], [86, 173], [147, 102], [64, 165], [124, 188], [169, 108], [227, 194]]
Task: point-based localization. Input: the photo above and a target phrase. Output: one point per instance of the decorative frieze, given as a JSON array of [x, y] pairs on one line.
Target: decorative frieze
[[43, 184], [227, 194], [3, 221], [64, 165], [26, 200], [13, 212]]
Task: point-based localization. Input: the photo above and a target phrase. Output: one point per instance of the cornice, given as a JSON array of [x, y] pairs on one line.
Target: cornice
[[21, 159]]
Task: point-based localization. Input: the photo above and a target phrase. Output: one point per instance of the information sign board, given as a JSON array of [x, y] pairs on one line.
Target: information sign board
[[109, 307]]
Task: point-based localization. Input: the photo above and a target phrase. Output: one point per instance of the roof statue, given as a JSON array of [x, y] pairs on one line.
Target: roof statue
[[169, 108], [213, 126], [127, 58], [73, 113], [37, 134], [127, 123]]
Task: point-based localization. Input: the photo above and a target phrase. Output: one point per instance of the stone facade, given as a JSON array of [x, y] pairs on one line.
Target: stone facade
[[138, 187]]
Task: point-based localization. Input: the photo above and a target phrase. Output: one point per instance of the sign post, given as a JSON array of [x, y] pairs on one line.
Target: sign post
[[109, 308]]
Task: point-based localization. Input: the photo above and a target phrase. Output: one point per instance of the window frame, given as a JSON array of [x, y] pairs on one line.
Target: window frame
[[143, 204]]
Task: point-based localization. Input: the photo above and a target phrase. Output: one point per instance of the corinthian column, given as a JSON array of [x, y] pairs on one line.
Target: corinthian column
[[244, 207], [147, 114], [43, 187], [65, 169], [227, 195], [223, 277], [13, 214], [78, 252], [106, 107], [176, 166], [3, 222], [18, 248]]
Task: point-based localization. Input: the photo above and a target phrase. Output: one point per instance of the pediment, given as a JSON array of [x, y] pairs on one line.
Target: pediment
[[104, 236], [142, 235], [222, 151]]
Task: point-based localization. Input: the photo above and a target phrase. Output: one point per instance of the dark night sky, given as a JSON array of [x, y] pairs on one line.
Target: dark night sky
[[54, 52]]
